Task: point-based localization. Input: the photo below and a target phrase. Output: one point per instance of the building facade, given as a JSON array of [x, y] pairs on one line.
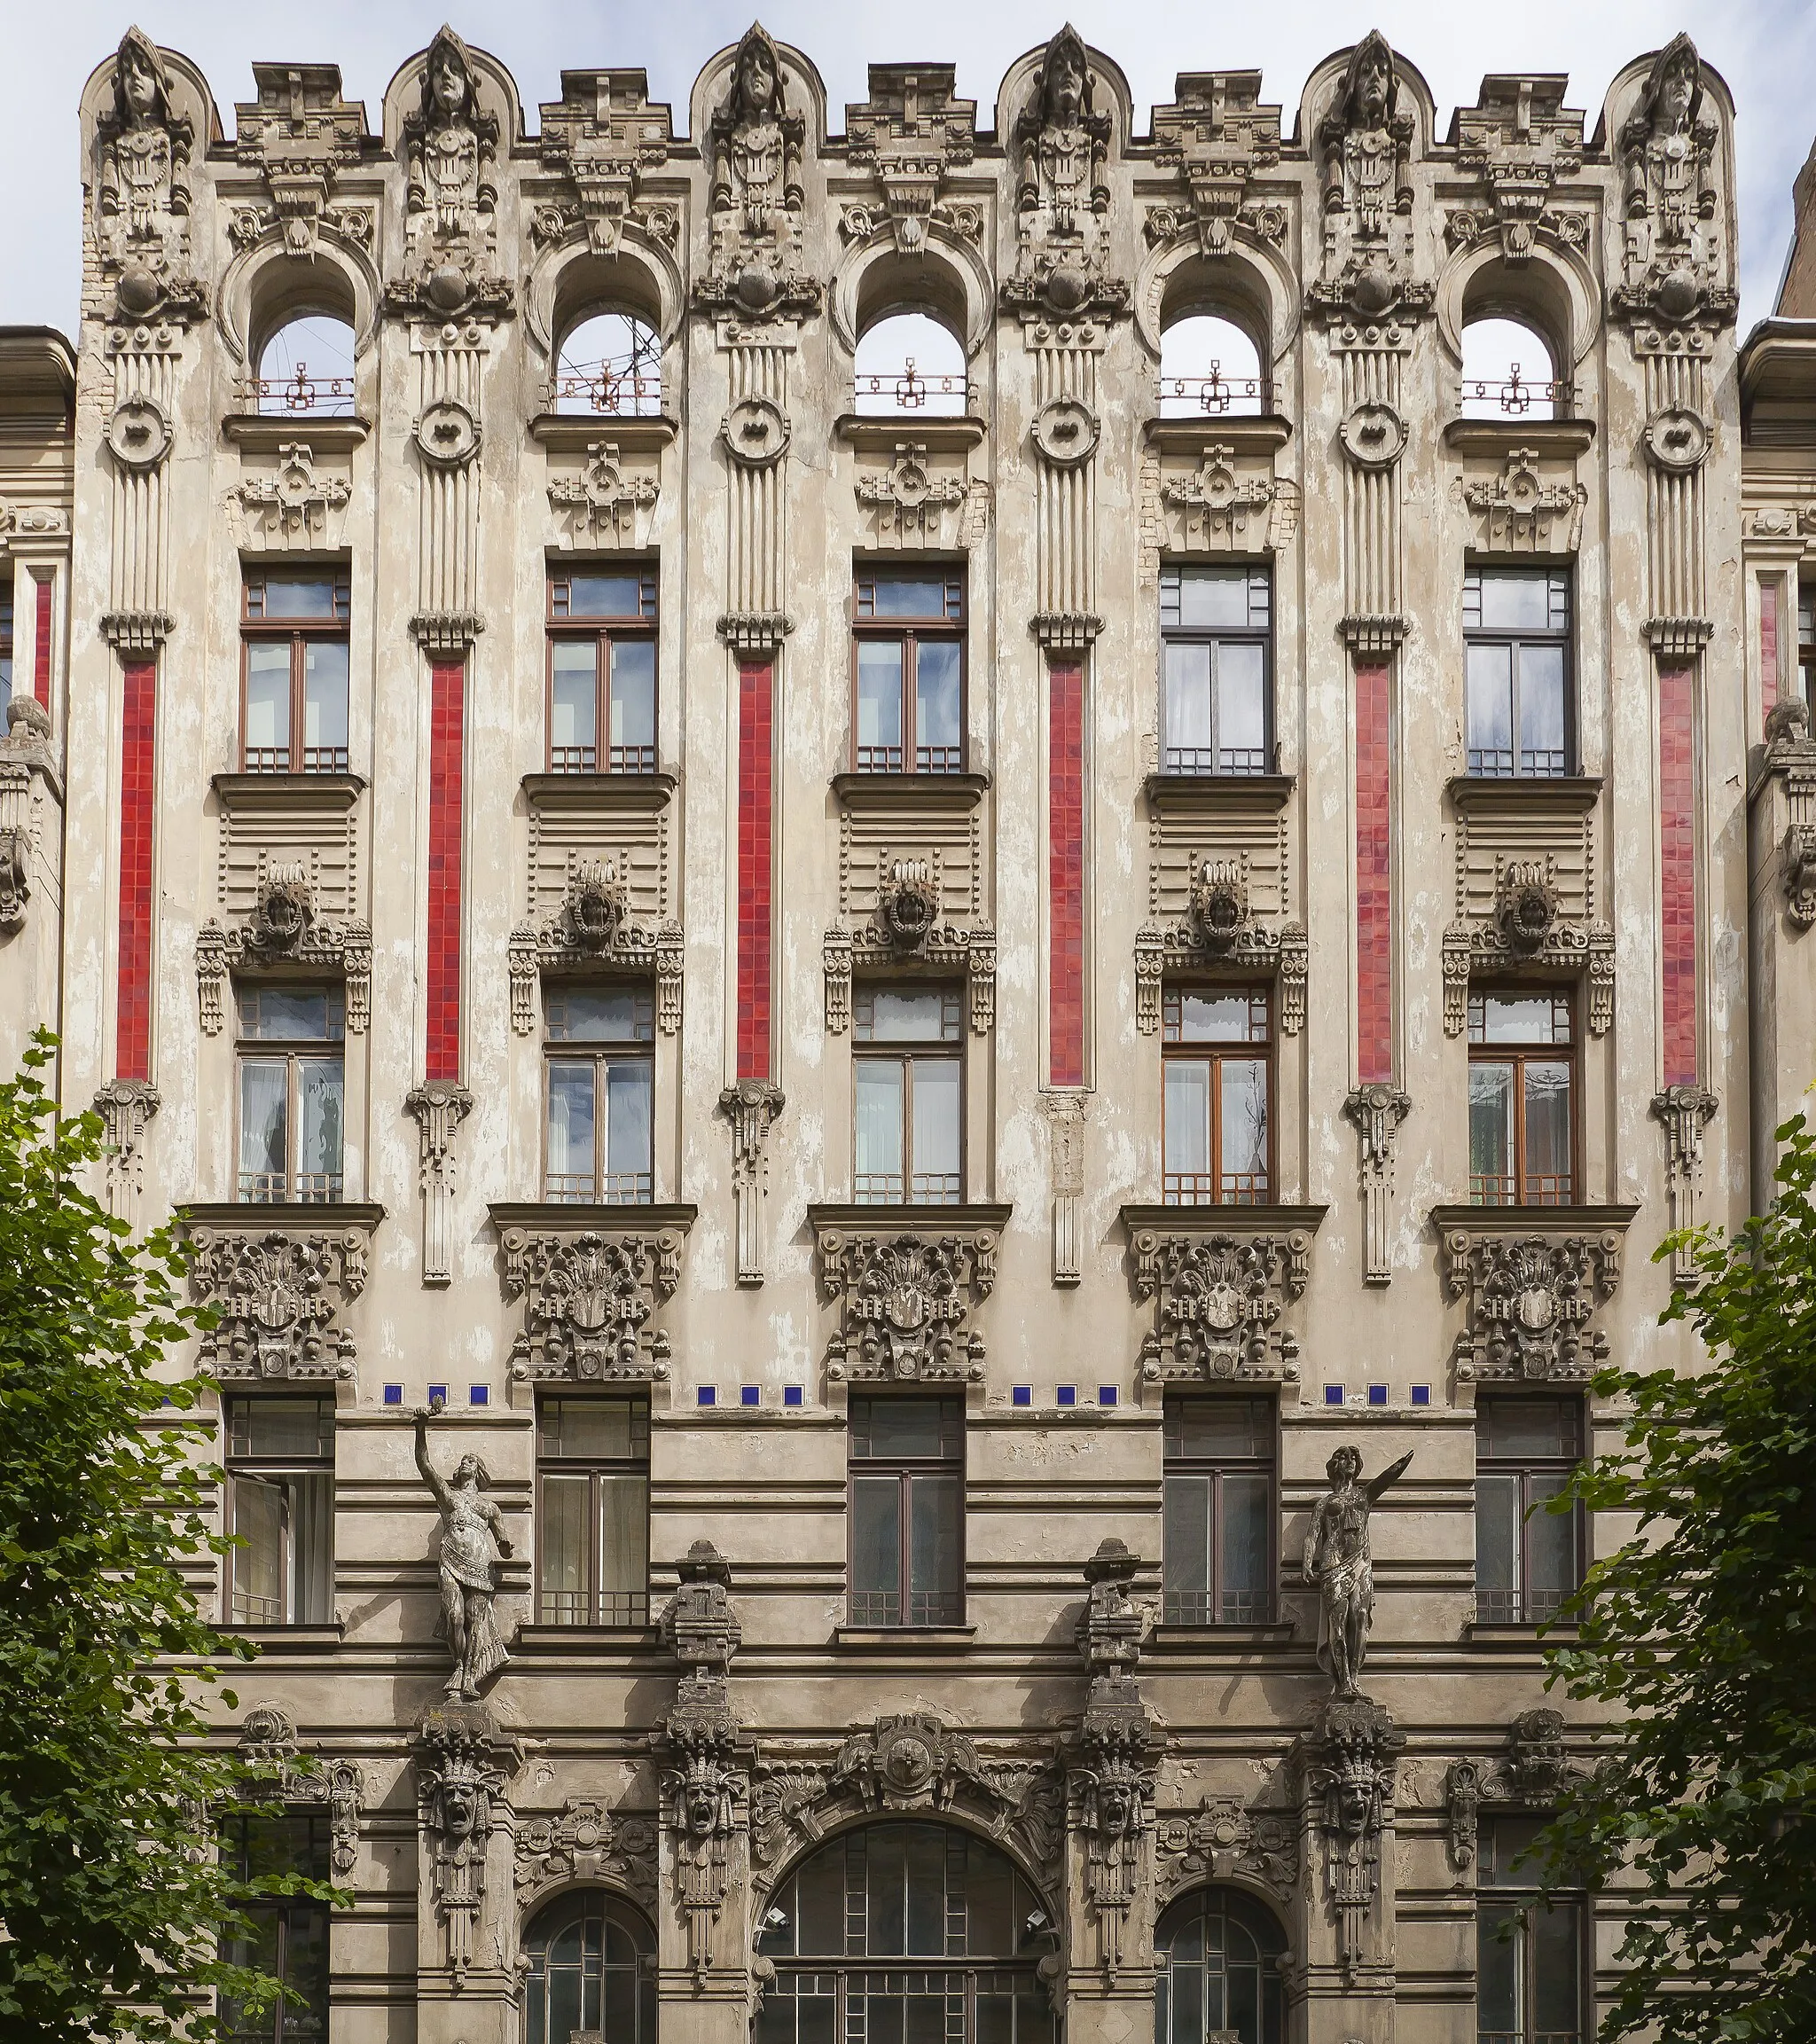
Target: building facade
[[914, 1099]]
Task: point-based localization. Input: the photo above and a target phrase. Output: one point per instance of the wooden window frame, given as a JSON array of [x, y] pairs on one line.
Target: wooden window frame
[[255, 628], [950, 625], [593, 1467], [1173, 572], [1805, 593], [291, 1049], [1181, 1464], [950, 1463], [601, 1054], [235, 1466], [909, 1052], [1518, 1054], [1522, 1611], [1520, 1898], [1262, 1051], [1562, 636], [603, 630]]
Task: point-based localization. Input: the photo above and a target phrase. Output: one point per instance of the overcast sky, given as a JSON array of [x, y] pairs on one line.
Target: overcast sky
[[1766, 50]]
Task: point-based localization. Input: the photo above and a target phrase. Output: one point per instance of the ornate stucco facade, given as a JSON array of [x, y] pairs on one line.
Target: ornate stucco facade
[[751, 887]]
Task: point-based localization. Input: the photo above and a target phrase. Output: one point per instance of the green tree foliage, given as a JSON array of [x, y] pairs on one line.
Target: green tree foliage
[[112, 1896], [1700, 1635]]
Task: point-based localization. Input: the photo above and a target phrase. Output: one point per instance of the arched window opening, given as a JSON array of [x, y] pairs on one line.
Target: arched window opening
[[907, 1930], [1216, 1971], [590, 1961], [307, 366], [1208, 367], [1507, 372], [910, 362], [610, 365]]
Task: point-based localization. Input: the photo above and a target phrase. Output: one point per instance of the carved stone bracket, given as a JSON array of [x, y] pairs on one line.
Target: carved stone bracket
[[1799, 861], [268, 1745], [1220, 930], [605, 506], [1521, 511], [1520, 140], [1377, 1109], [910, 133], [282, 930], [446, 634], [1347, 1762], [126, 1108], [1066, 1112], [593, 927], [591, 1293], [1218, 138], [1527, 926], [277, 1292], [1532, 1774], [1685, 1110], [1533, 1290], [602, 137], [463, 1764], [1224, 1840], [906, 930], [751, 1107], [1220, 1280], [905, 1293], [439, 1108], [298, 135], [27, 765], [586, 1842]]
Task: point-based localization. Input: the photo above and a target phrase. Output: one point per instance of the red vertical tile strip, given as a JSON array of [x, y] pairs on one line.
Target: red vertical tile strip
[[41, 644], [1375, 957], [132, 1047], [755, 844], [1768, 643], [1677, 789], [1065, 871], [447, 722]]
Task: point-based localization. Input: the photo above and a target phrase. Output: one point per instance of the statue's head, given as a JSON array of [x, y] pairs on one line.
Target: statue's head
[[699, 1805], [447, 86], [1355, 1799], [141, 96], [1343, 1466], [471, 1474], [1674, 89], [1116, 1808], [1368, 91], [756, 77], [1065, 81], [459, 1806]]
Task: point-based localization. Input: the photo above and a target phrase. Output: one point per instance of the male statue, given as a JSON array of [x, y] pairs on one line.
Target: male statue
[[1338, 1559], [470, 1548]]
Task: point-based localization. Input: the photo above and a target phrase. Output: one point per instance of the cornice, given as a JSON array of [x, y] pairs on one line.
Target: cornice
[[1572, 794], [910, 790], [292, 790], [908, 1220], [598, 790], [246, 1218], [1557, 438], [1220, 1221], [572, 432], [1479, 1220], [1248, 434], [1205, 792], [562, 1216]]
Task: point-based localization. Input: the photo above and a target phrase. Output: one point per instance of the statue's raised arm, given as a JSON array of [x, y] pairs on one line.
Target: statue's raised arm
[[1389, 1476], [437, 1486]]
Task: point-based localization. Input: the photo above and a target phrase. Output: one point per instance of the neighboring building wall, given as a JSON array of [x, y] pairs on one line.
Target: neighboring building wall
[[442, 890]]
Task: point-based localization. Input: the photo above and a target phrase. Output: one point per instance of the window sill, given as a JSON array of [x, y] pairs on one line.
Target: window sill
[[581, 1639], [881, 432], [1569, 792], [1500, 1634], [1206, 791], [294, 790], [574, 432], [905, 1638], [281, 1214], [1245, 432], [903, 790], [290, 1638], [266, 432], [596, 790], [577, 1216], [1221, 1220], [908, 1219], [1555, 437], [1470, 1219]]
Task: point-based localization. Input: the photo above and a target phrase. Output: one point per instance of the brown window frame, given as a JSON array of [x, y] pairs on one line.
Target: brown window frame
[[255, 628], [1806, 642], [1258, 577], [1556, 578], [564, 627], [910, 1051], [636, 1612], [1520, 1606], [1262, 1051], [602, 1052], [1175, 1462], [946, 1606], [949, 625], [243, 1466], [1519, 1055], [293, 1050], [1503, 1894]]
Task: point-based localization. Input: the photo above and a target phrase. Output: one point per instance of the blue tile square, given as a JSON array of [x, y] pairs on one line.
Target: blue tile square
[[1023, 1394], [1066, 1395], [394, 1394], [792, 1395], [1106, 1394], [478, 1394], [1333, 1394], [1377, 1394], [750, 1395], [1422, 1394], [707, 1395], [438, 1391]]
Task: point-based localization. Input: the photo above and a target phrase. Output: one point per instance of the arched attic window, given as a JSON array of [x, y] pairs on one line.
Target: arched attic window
[[910, 364], [610, 365], [307, 366], [1509, 370], [1210, 368]]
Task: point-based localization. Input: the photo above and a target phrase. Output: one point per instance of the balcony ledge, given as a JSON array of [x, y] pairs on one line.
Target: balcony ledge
[[882, 433], [249, 1215], [598, 790], [576, 1217], [1466, 1217], [1557, 437], [327, 433], [295, 790], [1230, 1220], [908, 1220]]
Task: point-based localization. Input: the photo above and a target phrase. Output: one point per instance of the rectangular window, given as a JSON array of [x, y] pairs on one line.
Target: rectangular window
[[1216, 1062], [292, 1093], [1528, 1559], [599, 1085], [907, 1511], [294, 650], [280, 1507], [5, 635], [908, 1096], [1806, 642], [602, 670], [909, 661], [1522, 1098], [1529, 1953], [592, 1511], [1516, 660], [1217, 1565], [1217, 711], [289, 1936]]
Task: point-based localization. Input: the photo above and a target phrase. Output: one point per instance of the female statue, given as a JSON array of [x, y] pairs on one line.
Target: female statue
[[472, 1547]]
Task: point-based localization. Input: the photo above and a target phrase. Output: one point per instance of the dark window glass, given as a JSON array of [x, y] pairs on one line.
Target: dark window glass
[[1522, 1088], [291, 1092], [1528, 1950], [907, 1511], [294, 653], [908, 668], [1806, 643], [602, 678], [1216, 1060], [289, 1936], [1217, 712], [280, 1509], [1517, 656], [6, 636], [598, 1100], [1219, 1565], [592, 1511], [1528, 1559], [588, 1965], [1217, 1971], [908, 1100]]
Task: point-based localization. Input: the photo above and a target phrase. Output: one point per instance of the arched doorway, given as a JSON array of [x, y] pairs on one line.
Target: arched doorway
[[905, 1933], [1217, 1970], [590, 1965]]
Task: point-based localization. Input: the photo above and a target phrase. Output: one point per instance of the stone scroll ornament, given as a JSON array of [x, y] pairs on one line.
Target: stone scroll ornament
[[1339, 1561], [471, 1547]]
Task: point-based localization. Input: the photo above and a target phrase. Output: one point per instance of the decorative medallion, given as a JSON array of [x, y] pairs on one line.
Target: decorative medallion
[[1374, 435], [447, 433], [139, 433], [1065, 431], [755, 432], [1677, 439]]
